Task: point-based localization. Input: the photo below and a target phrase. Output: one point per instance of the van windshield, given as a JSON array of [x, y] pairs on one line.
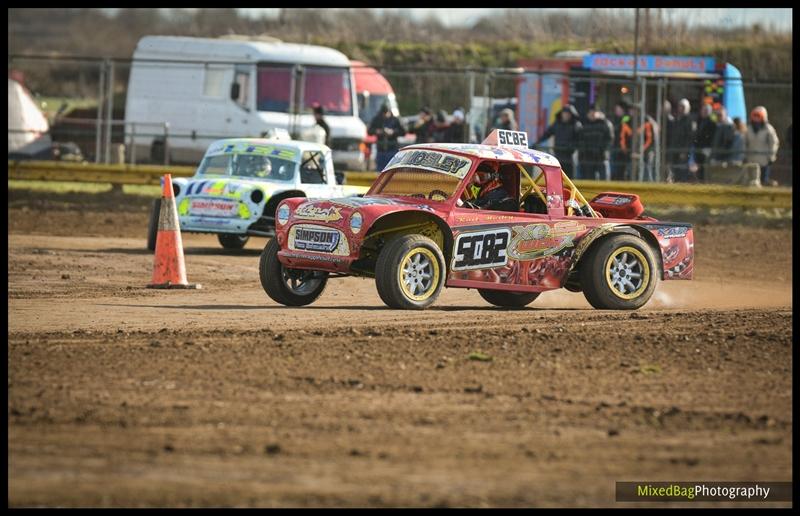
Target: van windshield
[[370, 104], [327, 86], [247, 165]]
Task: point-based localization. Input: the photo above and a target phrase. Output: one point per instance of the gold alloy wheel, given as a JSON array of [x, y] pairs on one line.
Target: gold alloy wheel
[[627, 272], [418, 274]]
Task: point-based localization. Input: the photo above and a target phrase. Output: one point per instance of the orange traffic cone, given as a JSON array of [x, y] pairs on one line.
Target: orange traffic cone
[[169, 270]]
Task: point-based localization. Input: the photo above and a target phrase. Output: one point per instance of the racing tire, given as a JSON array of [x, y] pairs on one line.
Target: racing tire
[[289, 287], [508, 299], [619, 273], [152, 226], [229, 241], [410, 272]]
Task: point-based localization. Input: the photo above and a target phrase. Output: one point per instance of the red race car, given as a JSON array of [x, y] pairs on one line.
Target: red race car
[[498, 217]]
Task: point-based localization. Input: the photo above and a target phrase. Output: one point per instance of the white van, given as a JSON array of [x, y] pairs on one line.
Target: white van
[[207, 89]]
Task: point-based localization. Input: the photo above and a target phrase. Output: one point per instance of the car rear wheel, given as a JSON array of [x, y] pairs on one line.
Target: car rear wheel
[[508, 299], [152, 226], [410, 272], [290, 287], [619, 273], [232, 241]]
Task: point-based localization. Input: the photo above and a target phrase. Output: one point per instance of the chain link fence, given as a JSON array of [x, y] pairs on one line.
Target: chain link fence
[[84, 101]]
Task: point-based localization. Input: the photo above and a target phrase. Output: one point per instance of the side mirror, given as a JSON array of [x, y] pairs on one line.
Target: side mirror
[[235, 91]]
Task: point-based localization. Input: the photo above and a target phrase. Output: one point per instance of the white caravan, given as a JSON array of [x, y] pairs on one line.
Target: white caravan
[[184, 93]]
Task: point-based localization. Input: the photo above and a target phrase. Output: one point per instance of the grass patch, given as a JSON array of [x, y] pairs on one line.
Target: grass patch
[[70, 186]]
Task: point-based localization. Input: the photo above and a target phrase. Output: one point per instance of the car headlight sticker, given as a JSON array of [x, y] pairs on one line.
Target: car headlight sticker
[[355, 222], [283, 214]]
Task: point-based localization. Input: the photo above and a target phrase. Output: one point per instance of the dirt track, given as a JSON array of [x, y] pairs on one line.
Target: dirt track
[[122, 396]]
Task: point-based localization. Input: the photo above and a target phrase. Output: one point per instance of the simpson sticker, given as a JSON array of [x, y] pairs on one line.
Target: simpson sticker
[[315, 240], [430, 160], [538, 240], [312, 212], [481, 249]]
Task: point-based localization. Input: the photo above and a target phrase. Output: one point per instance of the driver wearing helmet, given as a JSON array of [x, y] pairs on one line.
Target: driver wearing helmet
[[255, 166], [492, 193]]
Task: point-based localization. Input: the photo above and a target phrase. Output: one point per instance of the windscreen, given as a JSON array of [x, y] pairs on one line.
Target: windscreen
[[248, 165], [416, 182], [327, 86]]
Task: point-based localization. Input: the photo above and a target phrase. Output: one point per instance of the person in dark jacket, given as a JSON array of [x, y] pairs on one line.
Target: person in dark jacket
[[458, 129], [704, 140], [620, 158], [566, 131], [595, 146], [723, 138], [423, 126], [441, 129], [387, 128], [681, 142], [319, 117]]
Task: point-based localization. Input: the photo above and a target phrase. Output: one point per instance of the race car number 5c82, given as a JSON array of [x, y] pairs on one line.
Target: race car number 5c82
[[481, 249]]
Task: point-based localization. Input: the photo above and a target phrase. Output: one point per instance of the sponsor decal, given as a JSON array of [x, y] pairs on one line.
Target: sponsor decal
[[431, 160], [308, 239], [311, 212], [316, 257], [554, 201], [245, 147], [213, 207], [538, 240], [357, 202], [673, 232], [481, 249]]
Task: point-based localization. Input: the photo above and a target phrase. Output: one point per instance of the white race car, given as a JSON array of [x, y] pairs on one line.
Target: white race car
[[240, 182]]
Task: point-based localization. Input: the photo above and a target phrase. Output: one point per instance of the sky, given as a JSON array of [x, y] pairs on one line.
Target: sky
[[780, 18]]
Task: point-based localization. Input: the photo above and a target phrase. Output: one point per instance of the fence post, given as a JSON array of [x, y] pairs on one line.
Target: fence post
[[661, 128], [640, 136], [109, 108], [133, 143], [99, 120], [166, 143]]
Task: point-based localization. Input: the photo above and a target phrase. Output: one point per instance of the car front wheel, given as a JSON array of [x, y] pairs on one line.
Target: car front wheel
[[619, 273], [410, 272], [290, 287], [229, 241]]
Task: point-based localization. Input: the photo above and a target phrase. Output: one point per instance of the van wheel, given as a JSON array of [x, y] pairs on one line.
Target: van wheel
[[232, 241], [410, 272], [289, 287], [619, 273], [508, 299], [152, 226]]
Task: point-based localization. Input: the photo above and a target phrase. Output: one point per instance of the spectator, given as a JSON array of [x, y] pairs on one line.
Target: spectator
[[566, 130], [458, 129], [441, 129], [649, 146], [737, 145], [723, 138], [625, 145], [619, 159], [507, 120], [681, 142], [669, 126], [704, 140], [387, 128], [761, 143], [423, 126], [595, 146], [319, 116]]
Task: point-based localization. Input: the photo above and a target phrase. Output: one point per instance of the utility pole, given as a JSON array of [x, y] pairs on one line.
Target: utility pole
[[636, 101]]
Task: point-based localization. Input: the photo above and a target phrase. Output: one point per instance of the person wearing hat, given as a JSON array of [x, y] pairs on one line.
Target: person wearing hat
[[387, 128], [595, 145], [458, 133], [761, 142], [566, 132]]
